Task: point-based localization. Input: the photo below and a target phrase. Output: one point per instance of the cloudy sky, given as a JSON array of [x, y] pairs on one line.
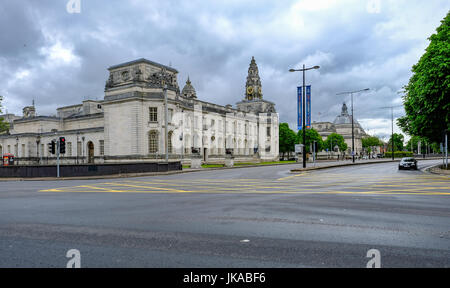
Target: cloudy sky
[[59, 58]]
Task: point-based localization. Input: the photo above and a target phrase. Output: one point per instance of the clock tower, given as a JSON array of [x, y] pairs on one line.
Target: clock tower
[[254, 101], [253, 89]]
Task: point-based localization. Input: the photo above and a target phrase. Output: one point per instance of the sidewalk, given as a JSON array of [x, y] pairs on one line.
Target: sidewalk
[[323, 164], [333, 164], [437, 170]]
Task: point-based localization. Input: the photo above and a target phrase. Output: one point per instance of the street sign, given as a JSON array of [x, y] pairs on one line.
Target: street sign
[[298, 148]]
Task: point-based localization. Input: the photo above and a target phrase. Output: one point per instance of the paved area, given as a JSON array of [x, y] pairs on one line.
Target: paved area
[[252, 217]]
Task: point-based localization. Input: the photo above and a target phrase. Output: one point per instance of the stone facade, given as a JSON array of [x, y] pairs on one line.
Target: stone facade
[[128, 125]]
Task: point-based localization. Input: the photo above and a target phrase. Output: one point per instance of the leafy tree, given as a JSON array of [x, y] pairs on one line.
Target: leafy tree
[[414, 141], [371, 141], [335, 139], [398, 142], [427, 101], [435, 147], [4, 126], [287, 139], [311, 136]]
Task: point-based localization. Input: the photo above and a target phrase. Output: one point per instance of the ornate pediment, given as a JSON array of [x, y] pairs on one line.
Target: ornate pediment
[[142, 72]]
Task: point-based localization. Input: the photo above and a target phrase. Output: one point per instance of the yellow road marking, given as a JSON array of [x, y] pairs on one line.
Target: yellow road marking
[[150, 187]]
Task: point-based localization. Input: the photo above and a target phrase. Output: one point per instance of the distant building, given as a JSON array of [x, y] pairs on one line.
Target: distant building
[[128, 125], [343, 125]]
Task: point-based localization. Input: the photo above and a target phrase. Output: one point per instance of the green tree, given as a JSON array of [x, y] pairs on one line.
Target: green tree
[[311, 136], [335, 139], [287, 139], [427, 101], [4, 126], [435, 148], [398, 142], [413, 144], [371, 141]]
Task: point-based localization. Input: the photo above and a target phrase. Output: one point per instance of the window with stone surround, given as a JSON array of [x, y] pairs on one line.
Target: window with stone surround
[[152, 142], [69, 149], [102, 147], [169, 117], [153, 114], [169, 142], [268, 131]]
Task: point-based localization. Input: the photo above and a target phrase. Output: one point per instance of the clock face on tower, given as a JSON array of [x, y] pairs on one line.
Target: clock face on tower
[[250, 90]]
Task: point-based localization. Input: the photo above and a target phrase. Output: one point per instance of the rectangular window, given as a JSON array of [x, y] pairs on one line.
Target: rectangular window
[[41, 153], [152, 142], [69, 149], [153, 113], [9, 149], [169, 117], [23, 151], [79, 149], [268, 131], [196, 122], [102, 147]]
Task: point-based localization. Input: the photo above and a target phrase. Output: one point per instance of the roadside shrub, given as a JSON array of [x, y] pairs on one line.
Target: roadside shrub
[[398, 154]]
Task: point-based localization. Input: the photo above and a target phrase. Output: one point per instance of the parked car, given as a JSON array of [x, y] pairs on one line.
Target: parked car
[[407, 163]]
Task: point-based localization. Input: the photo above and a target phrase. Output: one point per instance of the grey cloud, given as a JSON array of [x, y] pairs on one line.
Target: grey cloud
[[213, 44]]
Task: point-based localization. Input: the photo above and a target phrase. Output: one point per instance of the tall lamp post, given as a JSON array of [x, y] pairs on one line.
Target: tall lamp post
[[303, 108], [392, 126], [353, 134], [166, 120]]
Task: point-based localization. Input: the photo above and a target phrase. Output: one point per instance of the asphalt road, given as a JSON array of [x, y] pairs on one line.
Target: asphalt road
[[248, 217]]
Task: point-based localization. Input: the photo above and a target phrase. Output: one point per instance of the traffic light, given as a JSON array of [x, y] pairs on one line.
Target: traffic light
[[51, 147], [62, 145]]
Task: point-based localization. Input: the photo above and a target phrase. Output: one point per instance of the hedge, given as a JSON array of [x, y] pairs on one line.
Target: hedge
[[398, 154]]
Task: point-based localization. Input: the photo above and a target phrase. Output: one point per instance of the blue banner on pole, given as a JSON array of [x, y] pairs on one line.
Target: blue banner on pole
[[308, 107], [299, 108]]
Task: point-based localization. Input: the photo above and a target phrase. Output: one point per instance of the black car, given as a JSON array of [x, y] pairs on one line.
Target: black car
[[407, 163]]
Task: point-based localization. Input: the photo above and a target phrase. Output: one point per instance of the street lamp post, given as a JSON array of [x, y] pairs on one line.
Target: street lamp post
[[392, 127], [303, 108], [353, 134], [38, 140]]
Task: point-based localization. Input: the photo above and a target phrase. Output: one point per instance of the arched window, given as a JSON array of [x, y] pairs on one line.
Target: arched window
[[152, 142]]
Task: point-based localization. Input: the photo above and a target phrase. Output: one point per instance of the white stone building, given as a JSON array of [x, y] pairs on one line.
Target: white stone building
[[343, 125], [128, 125]]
